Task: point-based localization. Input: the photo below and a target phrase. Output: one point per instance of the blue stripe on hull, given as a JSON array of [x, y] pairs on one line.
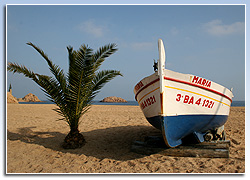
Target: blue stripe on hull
[[174, 128]]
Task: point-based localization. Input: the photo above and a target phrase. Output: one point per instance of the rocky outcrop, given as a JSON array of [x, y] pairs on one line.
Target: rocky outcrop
[[11, 98], [113, 99], [29, 98]]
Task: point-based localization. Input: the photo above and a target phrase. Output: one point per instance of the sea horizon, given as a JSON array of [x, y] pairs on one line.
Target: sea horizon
[[128, 103]]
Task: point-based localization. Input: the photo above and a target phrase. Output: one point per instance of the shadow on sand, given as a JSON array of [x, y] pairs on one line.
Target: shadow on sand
[[112, 143]]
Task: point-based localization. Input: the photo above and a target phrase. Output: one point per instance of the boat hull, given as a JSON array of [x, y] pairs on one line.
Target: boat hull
[[188, 104], [175, 128]]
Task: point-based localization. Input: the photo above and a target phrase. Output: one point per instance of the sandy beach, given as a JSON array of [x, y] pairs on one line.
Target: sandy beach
[[34, 138]]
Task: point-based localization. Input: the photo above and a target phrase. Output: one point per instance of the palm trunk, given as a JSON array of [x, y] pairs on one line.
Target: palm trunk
[[73, 140]]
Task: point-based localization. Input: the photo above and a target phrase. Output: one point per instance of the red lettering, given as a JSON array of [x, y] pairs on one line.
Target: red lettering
[[186, 99], [178, 97], [191, 101], [199, 81], [149, 101], [210, 103], [195, 79], [204, 102], [198, 101], [142, 105], [204, 82], [138, 86], [207, 102], [208, 84]]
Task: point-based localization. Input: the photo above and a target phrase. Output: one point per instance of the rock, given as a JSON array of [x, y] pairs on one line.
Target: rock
[[11, 98], [20, 100], [113, 99], [29, 98]]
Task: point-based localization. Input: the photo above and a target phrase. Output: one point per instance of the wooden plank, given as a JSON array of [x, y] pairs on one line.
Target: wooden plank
[[209, 145]]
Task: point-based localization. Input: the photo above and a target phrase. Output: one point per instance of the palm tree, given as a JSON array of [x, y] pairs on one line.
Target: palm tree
[[72, 93]]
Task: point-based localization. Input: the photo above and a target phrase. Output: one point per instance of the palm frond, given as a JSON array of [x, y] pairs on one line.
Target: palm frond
[[55, 69], [53, 91], [15, 68], [102, 77], [102, 53], [48, 84]]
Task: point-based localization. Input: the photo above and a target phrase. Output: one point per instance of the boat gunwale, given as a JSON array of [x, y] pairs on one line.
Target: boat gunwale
[[184, 82], [152, 82]]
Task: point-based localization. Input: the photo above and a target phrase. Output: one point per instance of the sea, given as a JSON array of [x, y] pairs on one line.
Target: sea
[[129, 103]]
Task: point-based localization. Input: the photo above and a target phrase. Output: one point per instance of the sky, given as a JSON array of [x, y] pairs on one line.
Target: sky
[[204, 40]]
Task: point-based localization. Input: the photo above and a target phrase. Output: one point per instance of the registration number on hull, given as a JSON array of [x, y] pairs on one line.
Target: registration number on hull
[[187, 99], [147, 102]]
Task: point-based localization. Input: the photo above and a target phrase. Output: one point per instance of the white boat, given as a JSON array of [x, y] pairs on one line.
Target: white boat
[[182, 104]]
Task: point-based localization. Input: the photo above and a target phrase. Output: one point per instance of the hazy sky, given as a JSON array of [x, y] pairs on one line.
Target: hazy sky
[[204, 40]]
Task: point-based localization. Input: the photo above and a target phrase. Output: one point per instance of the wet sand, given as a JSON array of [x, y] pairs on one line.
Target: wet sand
[[34, 138]]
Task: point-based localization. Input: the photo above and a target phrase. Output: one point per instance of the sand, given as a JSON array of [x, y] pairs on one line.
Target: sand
[[34, 137]]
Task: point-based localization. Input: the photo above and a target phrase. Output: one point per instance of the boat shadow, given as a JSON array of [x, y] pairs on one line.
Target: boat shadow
[[111, 143]]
